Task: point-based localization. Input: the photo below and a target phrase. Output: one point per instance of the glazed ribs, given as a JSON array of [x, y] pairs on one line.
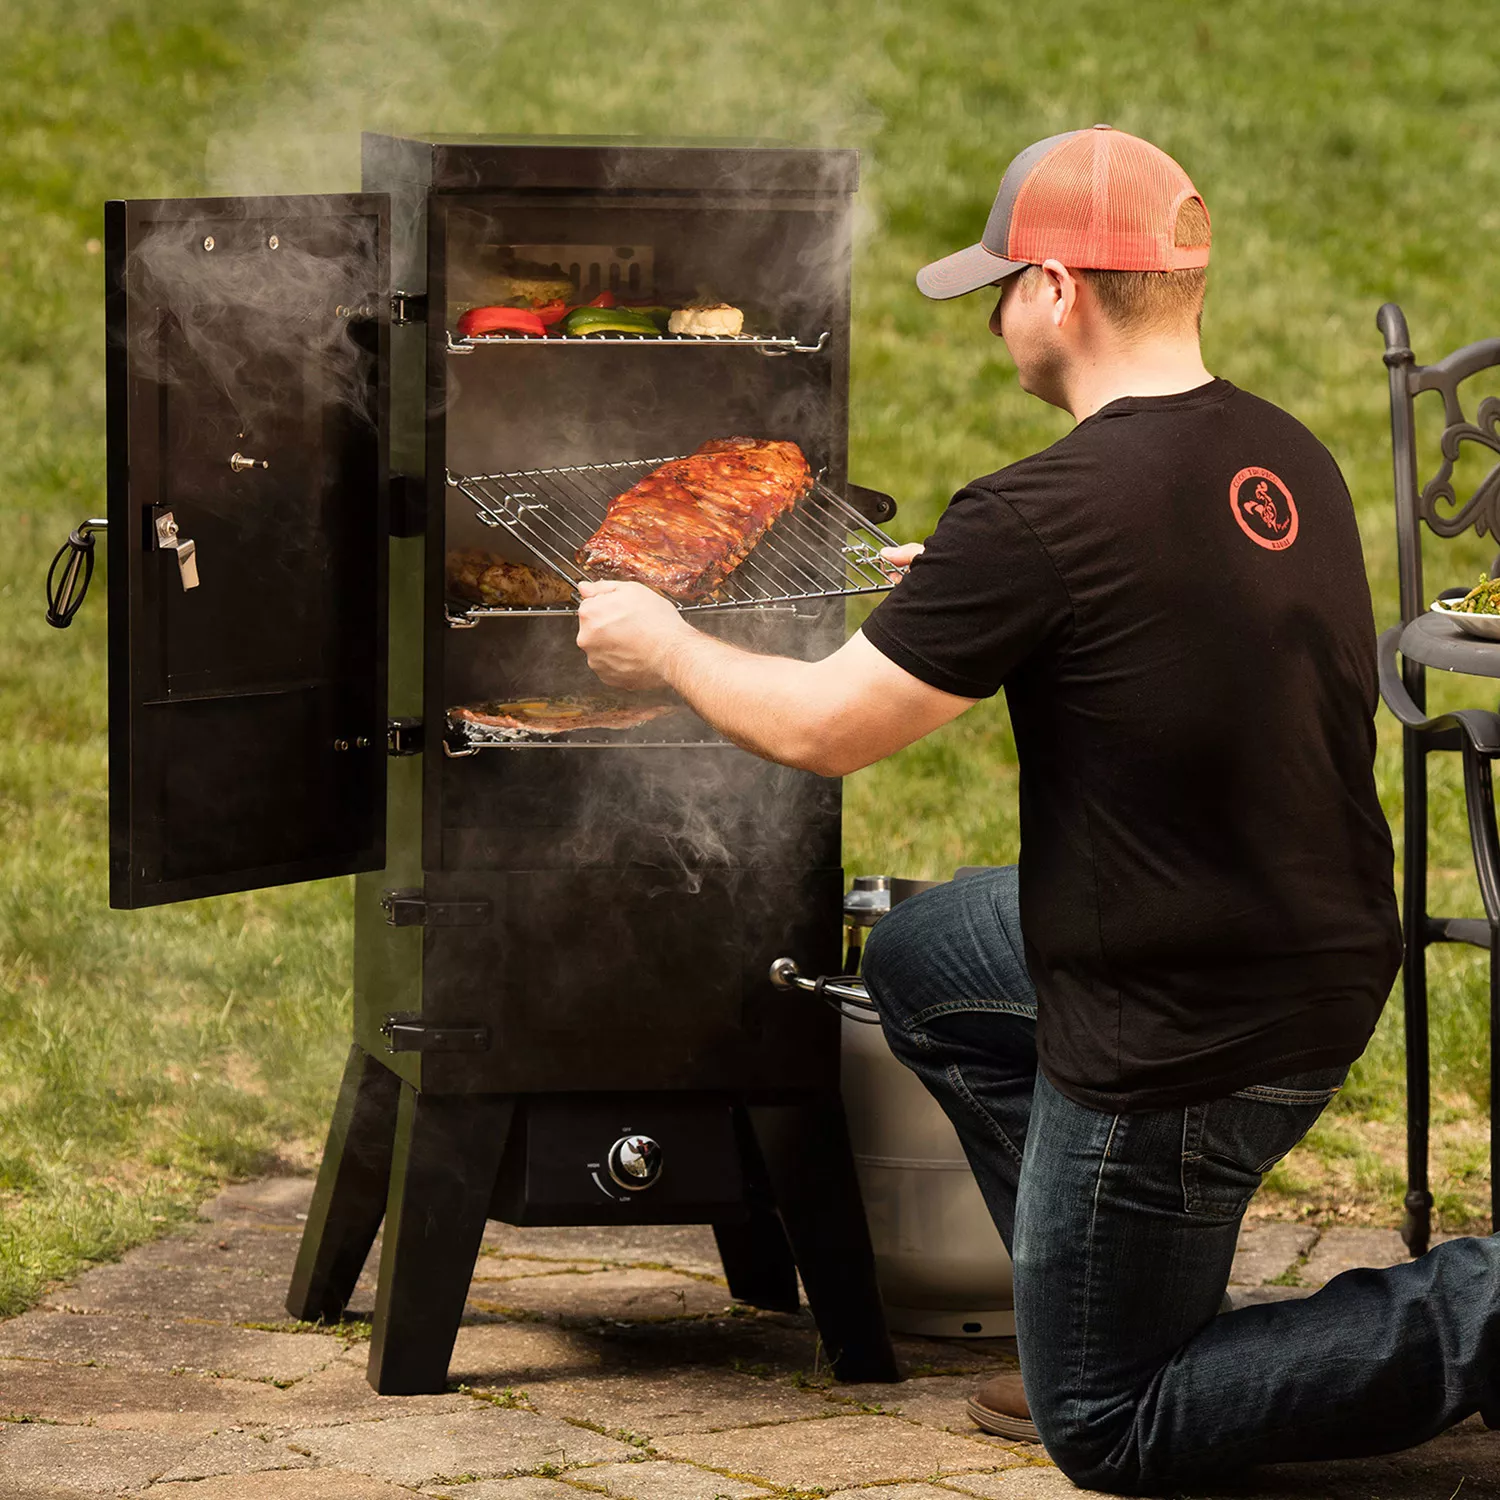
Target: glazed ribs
[[685, 527]]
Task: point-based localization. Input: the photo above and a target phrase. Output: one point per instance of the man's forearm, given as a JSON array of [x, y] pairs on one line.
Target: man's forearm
[[771, 705]]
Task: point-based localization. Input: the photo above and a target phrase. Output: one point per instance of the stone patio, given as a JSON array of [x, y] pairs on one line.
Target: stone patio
[[591, 1362]]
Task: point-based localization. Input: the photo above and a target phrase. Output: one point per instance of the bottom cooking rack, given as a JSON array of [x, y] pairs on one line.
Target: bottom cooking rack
[[674, 731], [822, 549]]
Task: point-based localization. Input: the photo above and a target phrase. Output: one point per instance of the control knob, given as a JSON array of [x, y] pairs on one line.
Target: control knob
[[635, 1162]]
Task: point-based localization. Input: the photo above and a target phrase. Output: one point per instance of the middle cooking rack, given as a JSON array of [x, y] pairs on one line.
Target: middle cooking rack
[[823, 548]]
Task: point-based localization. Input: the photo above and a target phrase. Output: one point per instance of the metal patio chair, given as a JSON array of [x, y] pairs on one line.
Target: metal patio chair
[[1424, 639]]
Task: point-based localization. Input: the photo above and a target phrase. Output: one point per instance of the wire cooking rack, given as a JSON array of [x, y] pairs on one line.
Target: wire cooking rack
[[821, 549], [766, 343]]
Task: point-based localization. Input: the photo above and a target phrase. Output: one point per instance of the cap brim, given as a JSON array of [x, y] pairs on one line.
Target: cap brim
[[965, 271]]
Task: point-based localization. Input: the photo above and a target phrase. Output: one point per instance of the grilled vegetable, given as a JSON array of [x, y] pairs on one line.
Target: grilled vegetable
[[500, 320], [552, 313], [1482, 599], [587, 320]]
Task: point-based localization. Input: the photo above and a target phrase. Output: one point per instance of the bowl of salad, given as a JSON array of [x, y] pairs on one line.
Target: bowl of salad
[[1476, 613]]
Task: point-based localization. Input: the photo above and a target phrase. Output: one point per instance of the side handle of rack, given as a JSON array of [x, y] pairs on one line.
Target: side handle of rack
[[873, 505]]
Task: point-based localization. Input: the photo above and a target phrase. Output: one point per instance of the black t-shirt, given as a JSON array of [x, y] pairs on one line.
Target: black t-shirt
[[1174, 600]]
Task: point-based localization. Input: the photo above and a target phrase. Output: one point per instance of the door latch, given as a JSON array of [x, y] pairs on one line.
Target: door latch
[[168, 539]]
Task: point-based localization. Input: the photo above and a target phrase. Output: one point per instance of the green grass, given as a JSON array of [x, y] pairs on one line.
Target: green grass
[[1348, 155]]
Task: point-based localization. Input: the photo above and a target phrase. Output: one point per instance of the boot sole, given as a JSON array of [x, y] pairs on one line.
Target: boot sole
[[998, 1424]]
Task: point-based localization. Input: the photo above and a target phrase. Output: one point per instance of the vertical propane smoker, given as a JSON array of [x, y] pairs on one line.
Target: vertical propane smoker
[[342, 530]]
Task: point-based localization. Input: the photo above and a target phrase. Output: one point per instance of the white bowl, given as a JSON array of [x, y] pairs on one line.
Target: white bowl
[[1485, 627]]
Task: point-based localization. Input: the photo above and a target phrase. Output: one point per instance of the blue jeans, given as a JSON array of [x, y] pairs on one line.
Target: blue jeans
[[1123, 1227]]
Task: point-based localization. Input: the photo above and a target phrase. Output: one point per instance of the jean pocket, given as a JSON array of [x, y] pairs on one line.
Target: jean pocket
[[1230, 1143]]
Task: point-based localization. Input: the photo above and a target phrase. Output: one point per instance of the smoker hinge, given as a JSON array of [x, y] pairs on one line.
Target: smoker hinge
[[403, 736], [408, 307], [410, 908], [405, 1035]]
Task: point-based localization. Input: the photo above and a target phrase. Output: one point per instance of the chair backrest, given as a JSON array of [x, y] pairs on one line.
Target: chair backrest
[[1435, 503]]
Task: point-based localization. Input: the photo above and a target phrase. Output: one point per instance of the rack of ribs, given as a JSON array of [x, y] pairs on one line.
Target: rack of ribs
[[685, 527]]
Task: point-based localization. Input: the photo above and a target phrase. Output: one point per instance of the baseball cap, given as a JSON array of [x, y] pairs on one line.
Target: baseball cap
[[1094, 199]]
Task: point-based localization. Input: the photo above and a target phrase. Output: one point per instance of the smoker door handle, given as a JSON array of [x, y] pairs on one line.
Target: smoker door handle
[[71, 572], [837, 990]]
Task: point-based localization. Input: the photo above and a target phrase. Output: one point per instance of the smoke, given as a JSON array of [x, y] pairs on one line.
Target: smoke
[[776, 70], [264, 310]]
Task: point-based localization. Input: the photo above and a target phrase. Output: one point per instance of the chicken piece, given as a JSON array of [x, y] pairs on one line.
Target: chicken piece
[[686, 526], [482, 578]]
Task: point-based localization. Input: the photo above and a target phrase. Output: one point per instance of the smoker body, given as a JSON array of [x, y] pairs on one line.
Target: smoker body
[[562, 1009]]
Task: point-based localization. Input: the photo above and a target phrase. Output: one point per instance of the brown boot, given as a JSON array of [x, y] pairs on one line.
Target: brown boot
[[999, 1406]]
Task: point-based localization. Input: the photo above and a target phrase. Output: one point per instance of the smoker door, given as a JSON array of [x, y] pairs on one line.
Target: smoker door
[[246, 395]]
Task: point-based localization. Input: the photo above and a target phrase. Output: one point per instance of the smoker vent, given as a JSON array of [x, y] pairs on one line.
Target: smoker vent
[[822, 549], [766, 343]]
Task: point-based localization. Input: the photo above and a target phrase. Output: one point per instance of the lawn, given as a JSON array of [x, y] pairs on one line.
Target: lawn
[[1347, 152]]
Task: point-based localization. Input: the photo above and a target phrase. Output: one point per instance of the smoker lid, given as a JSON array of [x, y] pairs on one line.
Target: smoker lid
[[616, 163]]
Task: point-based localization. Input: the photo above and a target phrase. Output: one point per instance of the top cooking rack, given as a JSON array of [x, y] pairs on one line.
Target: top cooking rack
[[822, 549], [766, 343]]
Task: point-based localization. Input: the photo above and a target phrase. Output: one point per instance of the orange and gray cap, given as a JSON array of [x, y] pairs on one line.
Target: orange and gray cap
[[1094, 199]]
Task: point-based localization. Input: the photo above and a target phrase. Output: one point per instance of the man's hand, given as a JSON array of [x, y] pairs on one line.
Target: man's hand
[[627, 632], [899, 559]]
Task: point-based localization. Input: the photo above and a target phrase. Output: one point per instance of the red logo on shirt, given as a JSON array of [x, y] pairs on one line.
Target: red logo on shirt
[[1263, 506]]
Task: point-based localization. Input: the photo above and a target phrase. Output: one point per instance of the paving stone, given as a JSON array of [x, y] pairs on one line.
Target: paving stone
[[836, 1452], [500, 1355], [36, 1457], [238, 1453], [220, 1296], [511, 1267], [1345, 1249], [1039, 1482], [138, 1401], [934, 1401], [1251, 1296], [687, 1247], [505, 1353], [529, 1488], [267, 1200], [216, 1247], [484, 1441], [895, 1492], [619, 1295], [919, 1357], [1266, 1250], [676, 1401], [657, 1479], [282, 1484], [149, 1344], [339, 1392]]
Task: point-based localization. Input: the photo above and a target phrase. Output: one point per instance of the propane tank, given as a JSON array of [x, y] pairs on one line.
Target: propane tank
[[942, 1266]]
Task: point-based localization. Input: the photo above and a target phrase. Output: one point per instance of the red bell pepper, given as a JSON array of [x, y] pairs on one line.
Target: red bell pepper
[[552, 312], [604, 299], [500, 320]]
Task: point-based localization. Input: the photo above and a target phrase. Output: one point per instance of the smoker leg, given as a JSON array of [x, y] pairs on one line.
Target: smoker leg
[[447, 1155], [758, 1263], [350, 1196], [810, 1166]]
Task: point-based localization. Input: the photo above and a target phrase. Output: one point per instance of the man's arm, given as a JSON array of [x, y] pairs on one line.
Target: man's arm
[[831, 716]]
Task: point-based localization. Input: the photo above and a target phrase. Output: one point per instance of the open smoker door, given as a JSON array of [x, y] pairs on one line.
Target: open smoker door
[[248, 539]]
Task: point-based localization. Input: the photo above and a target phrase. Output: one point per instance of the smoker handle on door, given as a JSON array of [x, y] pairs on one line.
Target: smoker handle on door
[[836, 990], [65, 593]]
